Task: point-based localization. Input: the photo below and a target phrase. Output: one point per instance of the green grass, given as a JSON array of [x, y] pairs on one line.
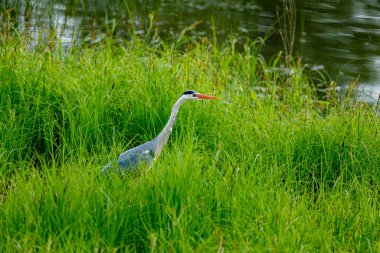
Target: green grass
[[269, 170]]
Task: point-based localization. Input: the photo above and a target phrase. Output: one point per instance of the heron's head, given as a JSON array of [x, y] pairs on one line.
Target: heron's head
[[191, 94]]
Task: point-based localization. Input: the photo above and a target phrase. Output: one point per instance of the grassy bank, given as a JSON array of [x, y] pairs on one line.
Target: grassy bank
[[268, 167]]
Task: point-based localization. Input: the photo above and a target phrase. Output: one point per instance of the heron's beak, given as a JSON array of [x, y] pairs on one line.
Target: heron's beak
[[204, 96]]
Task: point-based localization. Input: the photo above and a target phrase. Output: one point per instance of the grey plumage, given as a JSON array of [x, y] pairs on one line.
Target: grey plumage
[[144, 154], [130, 159]]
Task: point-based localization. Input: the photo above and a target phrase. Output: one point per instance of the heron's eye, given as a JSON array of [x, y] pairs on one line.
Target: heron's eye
[[194, 95]]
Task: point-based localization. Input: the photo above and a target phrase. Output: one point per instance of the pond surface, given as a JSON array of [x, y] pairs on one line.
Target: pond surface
[[341, 38]]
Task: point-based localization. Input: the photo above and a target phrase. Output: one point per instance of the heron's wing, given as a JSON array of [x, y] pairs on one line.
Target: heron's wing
[[132, 158], [109, 167], [106, 168]]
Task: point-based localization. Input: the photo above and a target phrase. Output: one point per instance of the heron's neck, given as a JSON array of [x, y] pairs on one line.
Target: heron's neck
[[163, 137]]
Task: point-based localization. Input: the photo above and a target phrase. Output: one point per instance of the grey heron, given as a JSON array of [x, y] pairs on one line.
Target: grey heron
[[147, 152]]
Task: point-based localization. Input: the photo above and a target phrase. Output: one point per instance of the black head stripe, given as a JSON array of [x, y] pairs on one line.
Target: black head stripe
[[189, 92]]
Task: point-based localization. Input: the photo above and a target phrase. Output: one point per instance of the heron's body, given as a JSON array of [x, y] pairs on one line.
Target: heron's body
[[145, 153]]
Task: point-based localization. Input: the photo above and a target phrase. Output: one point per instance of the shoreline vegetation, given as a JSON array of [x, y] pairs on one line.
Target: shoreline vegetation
[[269, 167]]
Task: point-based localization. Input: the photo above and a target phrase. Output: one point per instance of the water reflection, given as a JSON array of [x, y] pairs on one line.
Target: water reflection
[[341, 36]]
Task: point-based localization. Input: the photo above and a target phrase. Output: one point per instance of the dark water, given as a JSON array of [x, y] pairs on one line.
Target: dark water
[[341, 38]]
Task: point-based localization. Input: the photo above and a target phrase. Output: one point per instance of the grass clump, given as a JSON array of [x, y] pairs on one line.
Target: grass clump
[[269, 167]]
